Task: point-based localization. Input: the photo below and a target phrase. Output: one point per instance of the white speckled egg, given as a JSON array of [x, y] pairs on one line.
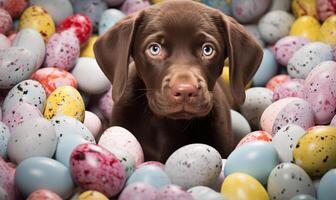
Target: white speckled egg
[[28, 91], [288, 180], [68, 125], [62, 50], [16, 64], [307, 57], [203, 192], [32, 40], [256, 101], [254, 31], [33, 137], [286, 139], [4, 137], [86, 72], [285, 111], [275, 25], [194, 164], [240, 126]]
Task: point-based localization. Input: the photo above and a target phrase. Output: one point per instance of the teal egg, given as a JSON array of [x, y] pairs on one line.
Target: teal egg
[[268, 68], [326, 189], [256, 159], [41, 172], [108, 19]]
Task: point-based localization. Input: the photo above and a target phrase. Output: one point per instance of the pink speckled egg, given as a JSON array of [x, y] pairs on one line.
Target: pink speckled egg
[[325, 8], [123, 139], [43, 194], [154, 163], [291, 88], [173, 192], [277, 80], [287, 46], [7, 172], [95, 168], [14, 7], [320, 91], [255, 136], [138, 190], [131, 6], [105, 104], [5, 21], [93, 123], [291, 110], [4, 42], [62, 50], [81, 24], [18, 113]]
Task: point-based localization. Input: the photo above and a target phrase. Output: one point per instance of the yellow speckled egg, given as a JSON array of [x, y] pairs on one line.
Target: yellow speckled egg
[[304, 7], [243, 187], [316, 150], [65, 100], [37, 18], [87, 51], [327, 32], [92, 195], [306, 26]]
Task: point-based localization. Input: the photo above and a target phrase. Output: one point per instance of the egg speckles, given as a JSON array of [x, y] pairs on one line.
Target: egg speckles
[[4, 137]]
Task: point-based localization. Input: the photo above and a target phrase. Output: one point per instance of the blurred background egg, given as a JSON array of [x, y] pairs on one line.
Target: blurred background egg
[[248, 11], [240, 126], [222, 5], [281, 5], [14, 7], [304, 7], [5, 21], [328, 31], [4, 42], [254, 31], [277, 80], [267, 69], [325, 8], [140, 190], [108, 19], [306, 26], [58, 9], [131, 6], [325, 190]]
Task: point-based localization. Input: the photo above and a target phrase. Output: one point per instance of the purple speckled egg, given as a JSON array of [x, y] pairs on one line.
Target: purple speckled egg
[[320, 91], [291, 88], [138, 190], [4, 42], [173, 192], [290, 110], [285, 48], [62, 50], [7, 172], [95, 168], [248, 11], [131, 6], [5, 21], [105, 104]]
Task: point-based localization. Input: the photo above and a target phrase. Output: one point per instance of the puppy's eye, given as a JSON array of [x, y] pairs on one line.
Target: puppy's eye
[[155, 49], [207, 50]]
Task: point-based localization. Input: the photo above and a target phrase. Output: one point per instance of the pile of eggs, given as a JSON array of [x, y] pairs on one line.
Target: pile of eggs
[[55, 102]]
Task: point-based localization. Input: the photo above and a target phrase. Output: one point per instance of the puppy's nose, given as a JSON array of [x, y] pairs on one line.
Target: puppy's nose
[[183, 92]]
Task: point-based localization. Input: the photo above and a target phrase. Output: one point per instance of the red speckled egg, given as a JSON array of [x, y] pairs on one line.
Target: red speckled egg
[[81, 24], [255, 136], [277, 80], [325, 8], [43, 194], [14, 7], [95, 168], [52, 78], [5, 21]]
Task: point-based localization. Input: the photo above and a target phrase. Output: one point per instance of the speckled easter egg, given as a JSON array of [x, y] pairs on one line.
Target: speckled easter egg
[[41, 172], [307, 57], [131, 6], [32, 40], [254, 31], [14, 7], [86, 72], [5, 21], [58, 9], [325, 8], [108, 19], [32, 137], [306, 26], [19, 113], [105, 104], [28, 91], [316, 150], [37, 18], [4, 137], [43, 194], [93, 123], [275, 25], [7, 185], [267, 69], [328, 31], [65, 100], [174, 192], [138, 190], [80, 23], [121, 138], [288, 180], [284, 111], [87, 50], [62, 50], [91, 8], [240, 126], [222, 5], [248, 11], [262, 136], [287, 46], [16, 64], [326, 190], [194, 164], [281, 5], [52, 78], [256, 101], [91, 195], [277, 80], [149, 174], [291, 88], [95, 168], [203, 192], [154, 163], [4, 42]]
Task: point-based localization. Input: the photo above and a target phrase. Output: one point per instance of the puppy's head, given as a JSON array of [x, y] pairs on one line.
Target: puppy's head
[[179, 49]]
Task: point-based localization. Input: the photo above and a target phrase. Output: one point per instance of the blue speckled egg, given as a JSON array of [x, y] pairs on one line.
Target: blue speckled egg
[[248, 11], [326, 189], [108, 19], [267, 69], [4, 137], [40, 172], [222, 5], [256, 159]]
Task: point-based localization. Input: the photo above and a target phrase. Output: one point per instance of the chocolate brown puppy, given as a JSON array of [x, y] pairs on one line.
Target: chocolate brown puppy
[[164, 64]]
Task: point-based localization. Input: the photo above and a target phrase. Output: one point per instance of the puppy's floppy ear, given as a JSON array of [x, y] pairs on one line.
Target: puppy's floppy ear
[[244, 54], [113, 50]]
